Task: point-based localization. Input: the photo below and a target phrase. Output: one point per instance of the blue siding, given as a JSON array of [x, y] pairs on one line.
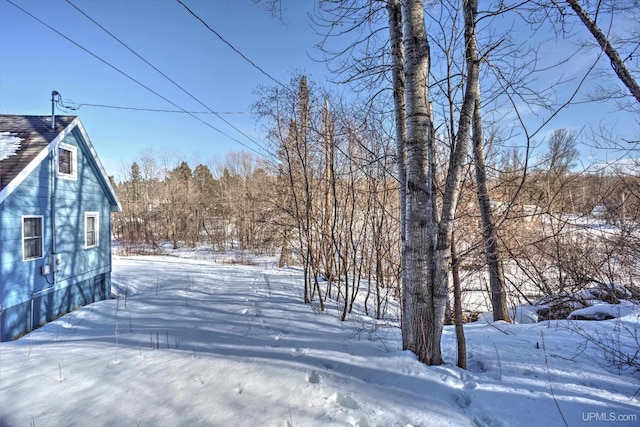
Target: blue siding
[[19, 278], [26, 296]]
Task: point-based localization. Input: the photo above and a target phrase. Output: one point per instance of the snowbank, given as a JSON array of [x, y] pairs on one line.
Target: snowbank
[[199, 343]]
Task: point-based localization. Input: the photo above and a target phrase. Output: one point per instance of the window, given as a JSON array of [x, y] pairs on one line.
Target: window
[[91, 228], [31, 237], [67, 161]]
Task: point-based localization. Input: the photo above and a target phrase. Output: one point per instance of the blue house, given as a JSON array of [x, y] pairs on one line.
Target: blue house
[[55, 221]]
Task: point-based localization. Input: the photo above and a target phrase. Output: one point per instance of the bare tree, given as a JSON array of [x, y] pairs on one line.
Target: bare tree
[[397, 75], [421, 317], [497, 284], [617, 63]]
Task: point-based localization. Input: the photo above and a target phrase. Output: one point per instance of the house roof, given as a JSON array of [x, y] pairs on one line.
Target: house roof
[[34, 134], [27, 140]]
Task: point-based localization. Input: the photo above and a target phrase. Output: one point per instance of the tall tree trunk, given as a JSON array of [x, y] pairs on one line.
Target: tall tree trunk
[[460, 148], [457, 309], [397, 74], [327, 245], [302, 151], [617, 63], [394, 10], [489, 232], [421, 326], [440, 262]]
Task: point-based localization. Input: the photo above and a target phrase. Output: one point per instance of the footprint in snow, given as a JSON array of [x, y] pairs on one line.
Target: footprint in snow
[[345, 401], [490, 421], [470, 385], [327, 365], [313, 377], [463, 400], [478, 366]]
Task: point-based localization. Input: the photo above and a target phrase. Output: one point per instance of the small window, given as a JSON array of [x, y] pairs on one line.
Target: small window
[[31, 237], [91, 229], [67, 161]]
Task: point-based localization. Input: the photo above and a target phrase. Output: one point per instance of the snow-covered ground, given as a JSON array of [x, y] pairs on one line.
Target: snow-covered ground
[[201, 343]]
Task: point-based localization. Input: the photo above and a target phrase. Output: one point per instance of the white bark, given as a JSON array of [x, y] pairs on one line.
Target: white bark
[[489, 232], [617, 63], [394, 11], [421, 325]]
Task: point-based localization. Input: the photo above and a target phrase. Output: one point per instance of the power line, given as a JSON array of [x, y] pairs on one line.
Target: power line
[[130, 78], [155, 110], [243, 56], [164, 75], [76, 106]]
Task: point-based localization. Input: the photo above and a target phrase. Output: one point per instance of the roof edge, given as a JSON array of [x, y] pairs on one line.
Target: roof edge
[[115, 201], [24, 173], [39, 158]]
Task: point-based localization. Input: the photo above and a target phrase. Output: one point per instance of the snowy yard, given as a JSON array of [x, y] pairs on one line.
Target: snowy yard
[[200, 343]]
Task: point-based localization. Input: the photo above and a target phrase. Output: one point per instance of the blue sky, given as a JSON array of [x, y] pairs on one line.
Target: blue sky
[[34, 61]]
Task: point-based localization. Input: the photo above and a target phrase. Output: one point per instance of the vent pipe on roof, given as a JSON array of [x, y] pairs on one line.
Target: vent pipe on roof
[[53, 109]]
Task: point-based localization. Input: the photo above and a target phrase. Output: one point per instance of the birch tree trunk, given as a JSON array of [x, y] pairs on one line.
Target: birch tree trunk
[[326, 244], [394, 11], [427, 255], [617, 63], [461, 145], [440, 264], [421, 327], [457, 311], [489, 232]]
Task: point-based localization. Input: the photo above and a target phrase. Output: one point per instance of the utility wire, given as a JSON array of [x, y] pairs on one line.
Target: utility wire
[[243, 56], [131, 78], [153, 110], [70, 105], [74, 106], [164, 75]]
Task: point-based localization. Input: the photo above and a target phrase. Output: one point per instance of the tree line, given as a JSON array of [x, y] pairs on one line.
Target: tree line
[[330, 204], [166, 200], [426, 174]]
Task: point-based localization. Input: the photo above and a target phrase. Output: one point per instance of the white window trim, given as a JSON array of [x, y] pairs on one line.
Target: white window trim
[[41, 237], [95, 215], [74, 162]]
